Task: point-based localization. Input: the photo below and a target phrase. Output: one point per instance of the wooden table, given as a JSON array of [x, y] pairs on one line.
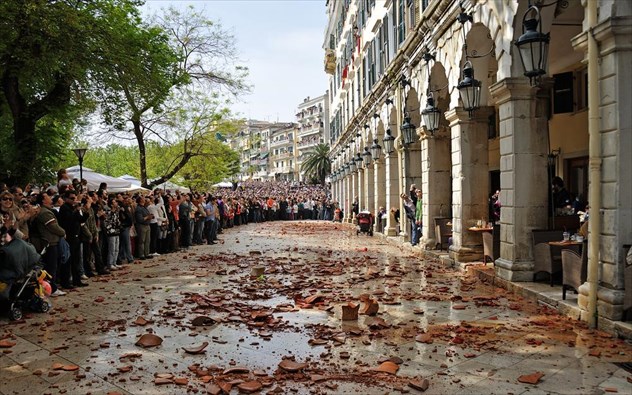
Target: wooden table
[[476, 229], [569, 243]]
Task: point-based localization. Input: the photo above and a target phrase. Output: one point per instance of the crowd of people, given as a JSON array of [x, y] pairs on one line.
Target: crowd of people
[[83, 233]]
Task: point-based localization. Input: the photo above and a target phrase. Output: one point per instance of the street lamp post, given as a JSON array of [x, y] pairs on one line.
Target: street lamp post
[[80, 152]]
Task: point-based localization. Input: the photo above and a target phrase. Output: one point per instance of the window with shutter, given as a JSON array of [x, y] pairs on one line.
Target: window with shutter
[[563, 93], [387, 55], [413, 15], [401, 22]]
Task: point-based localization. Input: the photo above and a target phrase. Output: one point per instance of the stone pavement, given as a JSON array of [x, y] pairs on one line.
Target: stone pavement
[[281, 331]]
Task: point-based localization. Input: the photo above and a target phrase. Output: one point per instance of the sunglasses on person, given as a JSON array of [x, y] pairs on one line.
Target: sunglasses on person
[[7, 198]]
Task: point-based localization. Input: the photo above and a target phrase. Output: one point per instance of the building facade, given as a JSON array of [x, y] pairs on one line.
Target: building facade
[[257, 142], [313, 128], [281, 166], [434, 93]]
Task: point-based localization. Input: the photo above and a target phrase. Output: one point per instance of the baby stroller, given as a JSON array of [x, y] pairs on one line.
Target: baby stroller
[[23, 284], [365, 223]]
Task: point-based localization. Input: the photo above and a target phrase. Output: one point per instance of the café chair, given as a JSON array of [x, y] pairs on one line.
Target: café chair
[[546, 258], [491, 244], [574, 269], [443, 232]]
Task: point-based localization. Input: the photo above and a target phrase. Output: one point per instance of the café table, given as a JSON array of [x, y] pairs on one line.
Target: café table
[[483, 229]]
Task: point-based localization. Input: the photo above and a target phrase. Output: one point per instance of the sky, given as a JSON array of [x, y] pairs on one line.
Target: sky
[[281, 43]]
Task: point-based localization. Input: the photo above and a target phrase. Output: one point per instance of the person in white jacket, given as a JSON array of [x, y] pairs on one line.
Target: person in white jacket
[[154, 224]]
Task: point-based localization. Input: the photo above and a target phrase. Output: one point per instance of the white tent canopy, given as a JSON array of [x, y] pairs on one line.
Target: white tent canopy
[[170, 186], [223, 184], [95, 179], [167, 185]]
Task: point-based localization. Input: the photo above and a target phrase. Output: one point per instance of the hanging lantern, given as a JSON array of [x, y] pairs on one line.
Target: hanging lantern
[[431, 115], [376, 150], [347, 169], [469, 89], [352, 166], [366, 156], [533, 45], [408, 130], [389, 142]]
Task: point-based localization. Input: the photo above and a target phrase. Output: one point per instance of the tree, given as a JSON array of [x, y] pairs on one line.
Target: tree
[[318, 165], [50, 53], [176, 100]]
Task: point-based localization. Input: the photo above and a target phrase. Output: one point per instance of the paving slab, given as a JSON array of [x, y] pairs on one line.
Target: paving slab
[[477, 338]]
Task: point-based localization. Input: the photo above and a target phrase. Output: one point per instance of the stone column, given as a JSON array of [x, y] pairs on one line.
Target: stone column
[[348, 198], [360, 189], [412, 160], [470, 180], [404, 224], [436, 185], [369, 189], [353, 193], [379, 175], [523, 174], [392, 192], [613, 37]]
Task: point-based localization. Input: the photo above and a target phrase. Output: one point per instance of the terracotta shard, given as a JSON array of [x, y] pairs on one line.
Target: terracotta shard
[[162, 381], [213, 389], [257, 271], [387, 367], [141, 321], [317, 378], [236, 370], [317, 342], [291, 366], [420, 385], [314, 299], [57, 366], [6, 344], [202, 321], [532, 378], [396, 360], [226, 387], [370, 308], [196, 350], [459, 307], [250, 386], [70, 368], [350, 311], [181, 381], [424, 338], [149, 340]]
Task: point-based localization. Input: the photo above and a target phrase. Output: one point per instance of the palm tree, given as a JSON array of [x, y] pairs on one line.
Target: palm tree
[[318, 164]]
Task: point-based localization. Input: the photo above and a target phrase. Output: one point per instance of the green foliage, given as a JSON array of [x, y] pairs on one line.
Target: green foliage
[[318, 165], [158, 82], [50, 54]]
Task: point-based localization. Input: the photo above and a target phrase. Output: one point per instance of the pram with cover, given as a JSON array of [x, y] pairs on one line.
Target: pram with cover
[[365, 223], [22, 282]]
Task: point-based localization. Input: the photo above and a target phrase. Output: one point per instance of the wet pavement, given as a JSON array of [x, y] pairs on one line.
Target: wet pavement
[[222, 325]]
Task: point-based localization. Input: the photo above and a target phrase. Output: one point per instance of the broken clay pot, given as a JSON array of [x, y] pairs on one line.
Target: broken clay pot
[[350, 311]]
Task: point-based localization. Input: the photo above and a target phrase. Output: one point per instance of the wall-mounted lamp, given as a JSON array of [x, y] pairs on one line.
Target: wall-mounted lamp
[[431, 115], [366, 156], [376, 150], [533, 46], [389, 142], [358, 161], [408, 130], [469, 89]]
